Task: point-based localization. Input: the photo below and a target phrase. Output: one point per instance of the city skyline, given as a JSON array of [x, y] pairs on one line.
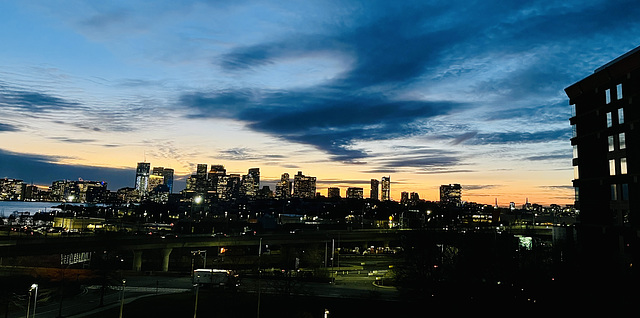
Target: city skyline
[[427, 93]]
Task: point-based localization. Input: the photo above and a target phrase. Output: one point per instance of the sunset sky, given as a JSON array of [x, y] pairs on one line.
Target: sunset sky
[[426, 92]]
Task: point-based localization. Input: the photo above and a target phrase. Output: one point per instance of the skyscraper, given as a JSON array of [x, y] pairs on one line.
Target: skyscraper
[[283, 188], [606, 159], [167, 173], [142, 178], [251, 182], [375, 185], [304, 186], [386, 188]]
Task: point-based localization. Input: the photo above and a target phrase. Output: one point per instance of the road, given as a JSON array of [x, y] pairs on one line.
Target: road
[[347, 284]]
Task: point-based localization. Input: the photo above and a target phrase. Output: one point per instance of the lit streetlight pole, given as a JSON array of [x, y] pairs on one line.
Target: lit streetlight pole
[[35, 298], [124, 281]]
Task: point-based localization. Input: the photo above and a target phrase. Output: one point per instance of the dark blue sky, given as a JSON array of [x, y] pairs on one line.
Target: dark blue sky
[[430, 92]]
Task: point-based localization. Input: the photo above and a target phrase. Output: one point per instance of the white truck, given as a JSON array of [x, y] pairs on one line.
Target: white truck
[[213, 278]]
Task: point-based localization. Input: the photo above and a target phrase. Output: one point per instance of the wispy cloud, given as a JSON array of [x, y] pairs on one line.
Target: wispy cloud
[[8, 127]]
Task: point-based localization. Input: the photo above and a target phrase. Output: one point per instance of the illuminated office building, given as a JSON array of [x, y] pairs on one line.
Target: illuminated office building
[[251, 182], [11, 189], [216, 177], [142, 178], [304, 186], [386, 188], [606, 153], [79, 191], [283, 188], [451, 194], [355, 193]]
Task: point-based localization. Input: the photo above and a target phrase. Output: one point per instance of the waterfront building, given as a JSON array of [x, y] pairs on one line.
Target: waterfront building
[[11, 189], [79, 191]]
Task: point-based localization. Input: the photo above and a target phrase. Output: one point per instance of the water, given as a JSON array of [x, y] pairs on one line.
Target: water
[[8, 207]]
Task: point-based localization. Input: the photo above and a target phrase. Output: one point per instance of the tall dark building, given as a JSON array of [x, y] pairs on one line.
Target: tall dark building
[[333, 193], [375, 186], [451, 194], [606, 160], [167, 173]]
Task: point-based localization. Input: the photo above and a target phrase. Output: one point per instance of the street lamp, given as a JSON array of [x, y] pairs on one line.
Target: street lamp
[[35, 299], [124, 281], [195, 308]]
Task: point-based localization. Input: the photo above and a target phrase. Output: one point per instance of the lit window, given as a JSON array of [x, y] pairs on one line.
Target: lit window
[[576, 176], [609, 120], [611, 143], [623, 165], [620, 115], [577, 194], [622, 141], [607, 94], [619, 91], [614, 192], [612, 167], [575, 151]]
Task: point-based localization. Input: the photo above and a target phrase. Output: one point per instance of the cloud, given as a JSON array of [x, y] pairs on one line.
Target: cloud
[[34, 102], [557, 156], [476, 187], [8, 127], [520, 137], [40, 169], [327, 119], [73, 140]]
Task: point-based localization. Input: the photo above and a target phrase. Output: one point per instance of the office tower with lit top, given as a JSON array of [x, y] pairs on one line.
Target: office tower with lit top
[[142, 178], [606, 153], [386, 189]]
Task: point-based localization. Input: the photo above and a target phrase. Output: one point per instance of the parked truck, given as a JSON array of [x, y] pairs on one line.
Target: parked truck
[[214, 278]]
